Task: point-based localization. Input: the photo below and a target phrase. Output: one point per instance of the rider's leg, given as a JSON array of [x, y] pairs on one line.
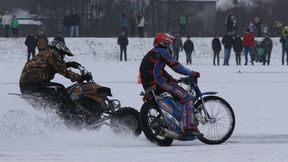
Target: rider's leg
[[182, 96]]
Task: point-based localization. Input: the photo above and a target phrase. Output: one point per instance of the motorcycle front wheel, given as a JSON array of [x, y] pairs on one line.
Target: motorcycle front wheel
[[218, 122], [126, 120]]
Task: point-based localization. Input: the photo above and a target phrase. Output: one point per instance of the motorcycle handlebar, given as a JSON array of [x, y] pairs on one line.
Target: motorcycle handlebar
[[86, 75]]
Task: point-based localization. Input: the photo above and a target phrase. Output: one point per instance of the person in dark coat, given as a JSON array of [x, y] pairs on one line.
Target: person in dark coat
[[67, 24], [238, 48], [188, 48], [284, 42], [227, 42], [216, 46], [177, 46], [123, 43], [229, 22], [75, 21], [59, 38], [267, 45], [31, 44]]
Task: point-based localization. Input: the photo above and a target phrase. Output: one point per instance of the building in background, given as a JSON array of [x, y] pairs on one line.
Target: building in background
[[201, 16]]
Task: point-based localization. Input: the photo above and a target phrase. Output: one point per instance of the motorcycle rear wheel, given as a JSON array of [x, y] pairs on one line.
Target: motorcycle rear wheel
[[150, 114], [222, 123]]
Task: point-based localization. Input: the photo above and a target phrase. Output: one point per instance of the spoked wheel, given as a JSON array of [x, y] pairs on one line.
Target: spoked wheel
[[219, 123], [127, 121], [152, 121]]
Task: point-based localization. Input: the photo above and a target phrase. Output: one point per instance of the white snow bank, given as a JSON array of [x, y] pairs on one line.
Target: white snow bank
[[107, 49]]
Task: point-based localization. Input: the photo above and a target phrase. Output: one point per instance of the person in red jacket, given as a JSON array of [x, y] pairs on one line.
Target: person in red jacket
[[248, 44]]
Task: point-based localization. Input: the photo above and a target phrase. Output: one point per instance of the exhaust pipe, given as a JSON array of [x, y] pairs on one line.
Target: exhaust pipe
[[170, 134]]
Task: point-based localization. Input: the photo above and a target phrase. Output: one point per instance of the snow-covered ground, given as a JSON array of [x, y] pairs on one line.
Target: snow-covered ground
[[256, 93]]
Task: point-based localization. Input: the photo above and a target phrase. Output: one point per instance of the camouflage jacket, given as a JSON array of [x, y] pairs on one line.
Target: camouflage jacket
[[43, 67]]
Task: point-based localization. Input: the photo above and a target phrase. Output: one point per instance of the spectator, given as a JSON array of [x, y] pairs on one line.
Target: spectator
[[227, 43], [238, 48], [267, 45], [234, 26], [31, 44], [42, 41], [258, 24], [188, 48], [123, 43], [216, 46], [14, 26], [248, 44], [124, 22], [133, 22], [75, 21], [229, 22], [182, 25], [177, 46], [67, 24], [141, 23], [59, 38], [251, 27], [1, 21], [284, 42], [6, 21]]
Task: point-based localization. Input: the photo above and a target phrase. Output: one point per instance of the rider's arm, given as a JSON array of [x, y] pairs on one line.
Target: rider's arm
[[167, 58], [61, 69]]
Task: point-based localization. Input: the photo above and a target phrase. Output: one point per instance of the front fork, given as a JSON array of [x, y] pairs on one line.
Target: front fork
[[201, 113]]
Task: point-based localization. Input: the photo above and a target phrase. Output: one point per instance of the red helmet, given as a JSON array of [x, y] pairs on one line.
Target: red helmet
[[163, 39]]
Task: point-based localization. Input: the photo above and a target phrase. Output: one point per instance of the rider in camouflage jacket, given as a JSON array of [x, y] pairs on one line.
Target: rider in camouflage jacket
[[39, 71], [43, 67]]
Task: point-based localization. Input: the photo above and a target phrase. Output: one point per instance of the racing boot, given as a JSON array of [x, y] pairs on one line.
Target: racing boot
[[192, 129]]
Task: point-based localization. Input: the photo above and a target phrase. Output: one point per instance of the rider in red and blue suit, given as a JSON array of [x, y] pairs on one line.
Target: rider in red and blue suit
[[153, 74]]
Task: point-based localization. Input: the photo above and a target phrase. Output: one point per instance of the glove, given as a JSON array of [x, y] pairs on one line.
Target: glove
[[72, 64], [86, 77], [196, 74]]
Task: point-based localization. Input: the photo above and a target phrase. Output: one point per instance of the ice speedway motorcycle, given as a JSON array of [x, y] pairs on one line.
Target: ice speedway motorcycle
[[162, 117], [95, 107]]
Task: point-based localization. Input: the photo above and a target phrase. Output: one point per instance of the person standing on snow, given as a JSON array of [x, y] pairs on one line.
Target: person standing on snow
[[227, 41], [6, 21], [284, 42], [133, 18], [229, 22], [267, 45], [177, 46], [75, 21], [14, 25], [123, 43], [31, 44], [216, 46], [124, 22], [42, 41], [188, 48], [238, 48], [141, 23], [182, 24], [248, 44], [153, 75]]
